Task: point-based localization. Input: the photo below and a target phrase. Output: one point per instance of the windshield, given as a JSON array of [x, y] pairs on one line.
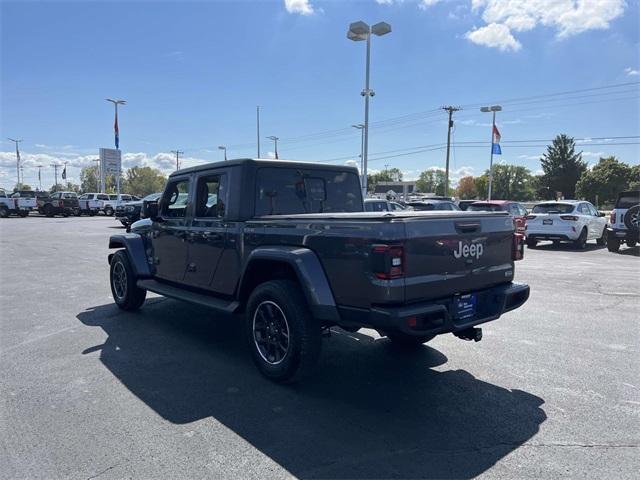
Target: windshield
[[553, 208], [284, 191], [484, 207]]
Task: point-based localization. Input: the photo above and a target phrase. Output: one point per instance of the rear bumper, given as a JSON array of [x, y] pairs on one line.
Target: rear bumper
[[560, 236], [436, 317], [622, 234]]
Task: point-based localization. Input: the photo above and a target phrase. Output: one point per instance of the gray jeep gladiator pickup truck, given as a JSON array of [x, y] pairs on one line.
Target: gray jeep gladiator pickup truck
[[288, 245]]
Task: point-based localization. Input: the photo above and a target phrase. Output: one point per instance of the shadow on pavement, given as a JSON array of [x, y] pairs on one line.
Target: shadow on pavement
[[633, 251], [369, 412], [568, 247]]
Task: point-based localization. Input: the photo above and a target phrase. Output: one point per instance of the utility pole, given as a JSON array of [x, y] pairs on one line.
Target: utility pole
[[22, 174], [17, 156], [258, 128], [449, 109], [99, 175], [178, 153], [39, 177], [55, 170], [360, 127]]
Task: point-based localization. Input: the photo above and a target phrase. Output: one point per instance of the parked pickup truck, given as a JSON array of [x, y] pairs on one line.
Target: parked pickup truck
[[18, 203], [287, 244], [91, 203], [109, 205], [12, 206], [59, 203]]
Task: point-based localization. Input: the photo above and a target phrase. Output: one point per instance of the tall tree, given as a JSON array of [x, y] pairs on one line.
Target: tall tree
[[467, 188], [602, 183], [431, 181], [387, 175], [89, 179], [143, 181], [634, 182], [512, 182], [562, 166], [21, 186]]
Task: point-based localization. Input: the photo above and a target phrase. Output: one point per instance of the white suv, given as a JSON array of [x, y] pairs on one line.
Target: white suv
[[624, 221], [573, 221]]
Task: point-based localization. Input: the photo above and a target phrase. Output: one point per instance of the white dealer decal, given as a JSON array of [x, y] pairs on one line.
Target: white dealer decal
[[473, 250]]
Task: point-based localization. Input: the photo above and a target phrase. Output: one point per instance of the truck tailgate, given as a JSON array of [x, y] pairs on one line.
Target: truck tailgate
[[447, 256]]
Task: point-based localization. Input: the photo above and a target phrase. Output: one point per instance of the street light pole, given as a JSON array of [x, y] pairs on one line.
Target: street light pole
[[258, 128], [117, 141], [39, 177], [275, 142], [222, 147], [99, 179], [359, 31], [360, 127], [494, 109], [55, 170], [17, 141]]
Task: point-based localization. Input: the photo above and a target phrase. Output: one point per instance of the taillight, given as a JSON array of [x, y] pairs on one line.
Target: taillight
[[530, 217], [573, 218], [612, 218], [517, 249], [387, 261]]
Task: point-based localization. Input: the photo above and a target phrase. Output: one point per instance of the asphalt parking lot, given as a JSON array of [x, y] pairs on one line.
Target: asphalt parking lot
[[88, 391]]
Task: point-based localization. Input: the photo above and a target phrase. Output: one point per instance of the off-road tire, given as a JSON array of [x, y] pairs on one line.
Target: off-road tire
[[121, 275], [407, 342], [632, 218], [304, 332], [613, 244], [4, 212]]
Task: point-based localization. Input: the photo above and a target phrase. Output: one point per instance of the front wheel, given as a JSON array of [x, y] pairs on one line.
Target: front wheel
[[407, 342], [108, 211], [48, 211], [4, 212], [125, 292], [284, 338], [613, 244]]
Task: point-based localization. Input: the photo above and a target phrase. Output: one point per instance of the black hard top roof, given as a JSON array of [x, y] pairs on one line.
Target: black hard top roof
[[264, 163]]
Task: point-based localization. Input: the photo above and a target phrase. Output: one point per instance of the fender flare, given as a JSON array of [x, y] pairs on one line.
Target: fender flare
[[308, 269], [133, 244]]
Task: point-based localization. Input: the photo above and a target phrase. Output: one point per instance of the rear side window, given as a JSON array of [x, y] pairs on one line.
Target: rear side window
[[69, 195], [375, 206], [211, 196], [553, 208], [175, 199], [103, 197], [628, 200], [286, 191]]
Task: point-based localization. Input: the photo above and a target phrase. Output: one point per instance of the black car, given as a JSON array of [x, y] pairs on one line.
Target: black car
[[288, 246], [130, 212], [433, 204]]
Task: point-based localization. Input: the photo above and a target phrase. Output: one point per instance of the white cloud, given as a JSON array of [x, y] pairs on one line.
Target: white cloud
[[568, 17], [529, 157], [303, 7], [384, 2], [494, 35], [424, 4], [593, 154], [631, 72]]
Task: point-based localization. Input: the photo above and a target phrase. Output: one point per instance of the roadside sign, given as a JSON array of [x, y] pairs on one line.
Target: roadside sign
[[110, 161]]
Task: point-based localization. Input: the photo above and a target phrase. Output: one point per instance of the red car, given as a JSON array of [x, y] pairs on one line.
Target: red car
[[514, 208]]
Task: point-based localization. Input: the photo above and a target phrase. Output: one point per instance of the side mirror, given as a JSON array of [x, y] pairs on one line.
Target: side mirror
[[601, 214], [150, 209]]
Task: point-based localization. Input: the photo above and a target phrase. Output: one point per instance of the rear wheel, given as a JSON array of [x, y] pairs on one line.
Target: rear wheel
[[24, 213], [581, 242], [77, 212], [613, 244], [108, 211], [603, 238], [125, 292], [4, 212], [48, 210], [284, 338], [408, 342], [631, 243]]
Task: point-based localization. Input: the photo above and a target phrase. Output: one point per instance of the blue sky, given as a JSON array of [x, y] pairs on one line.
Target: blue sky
[[193, 72]]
